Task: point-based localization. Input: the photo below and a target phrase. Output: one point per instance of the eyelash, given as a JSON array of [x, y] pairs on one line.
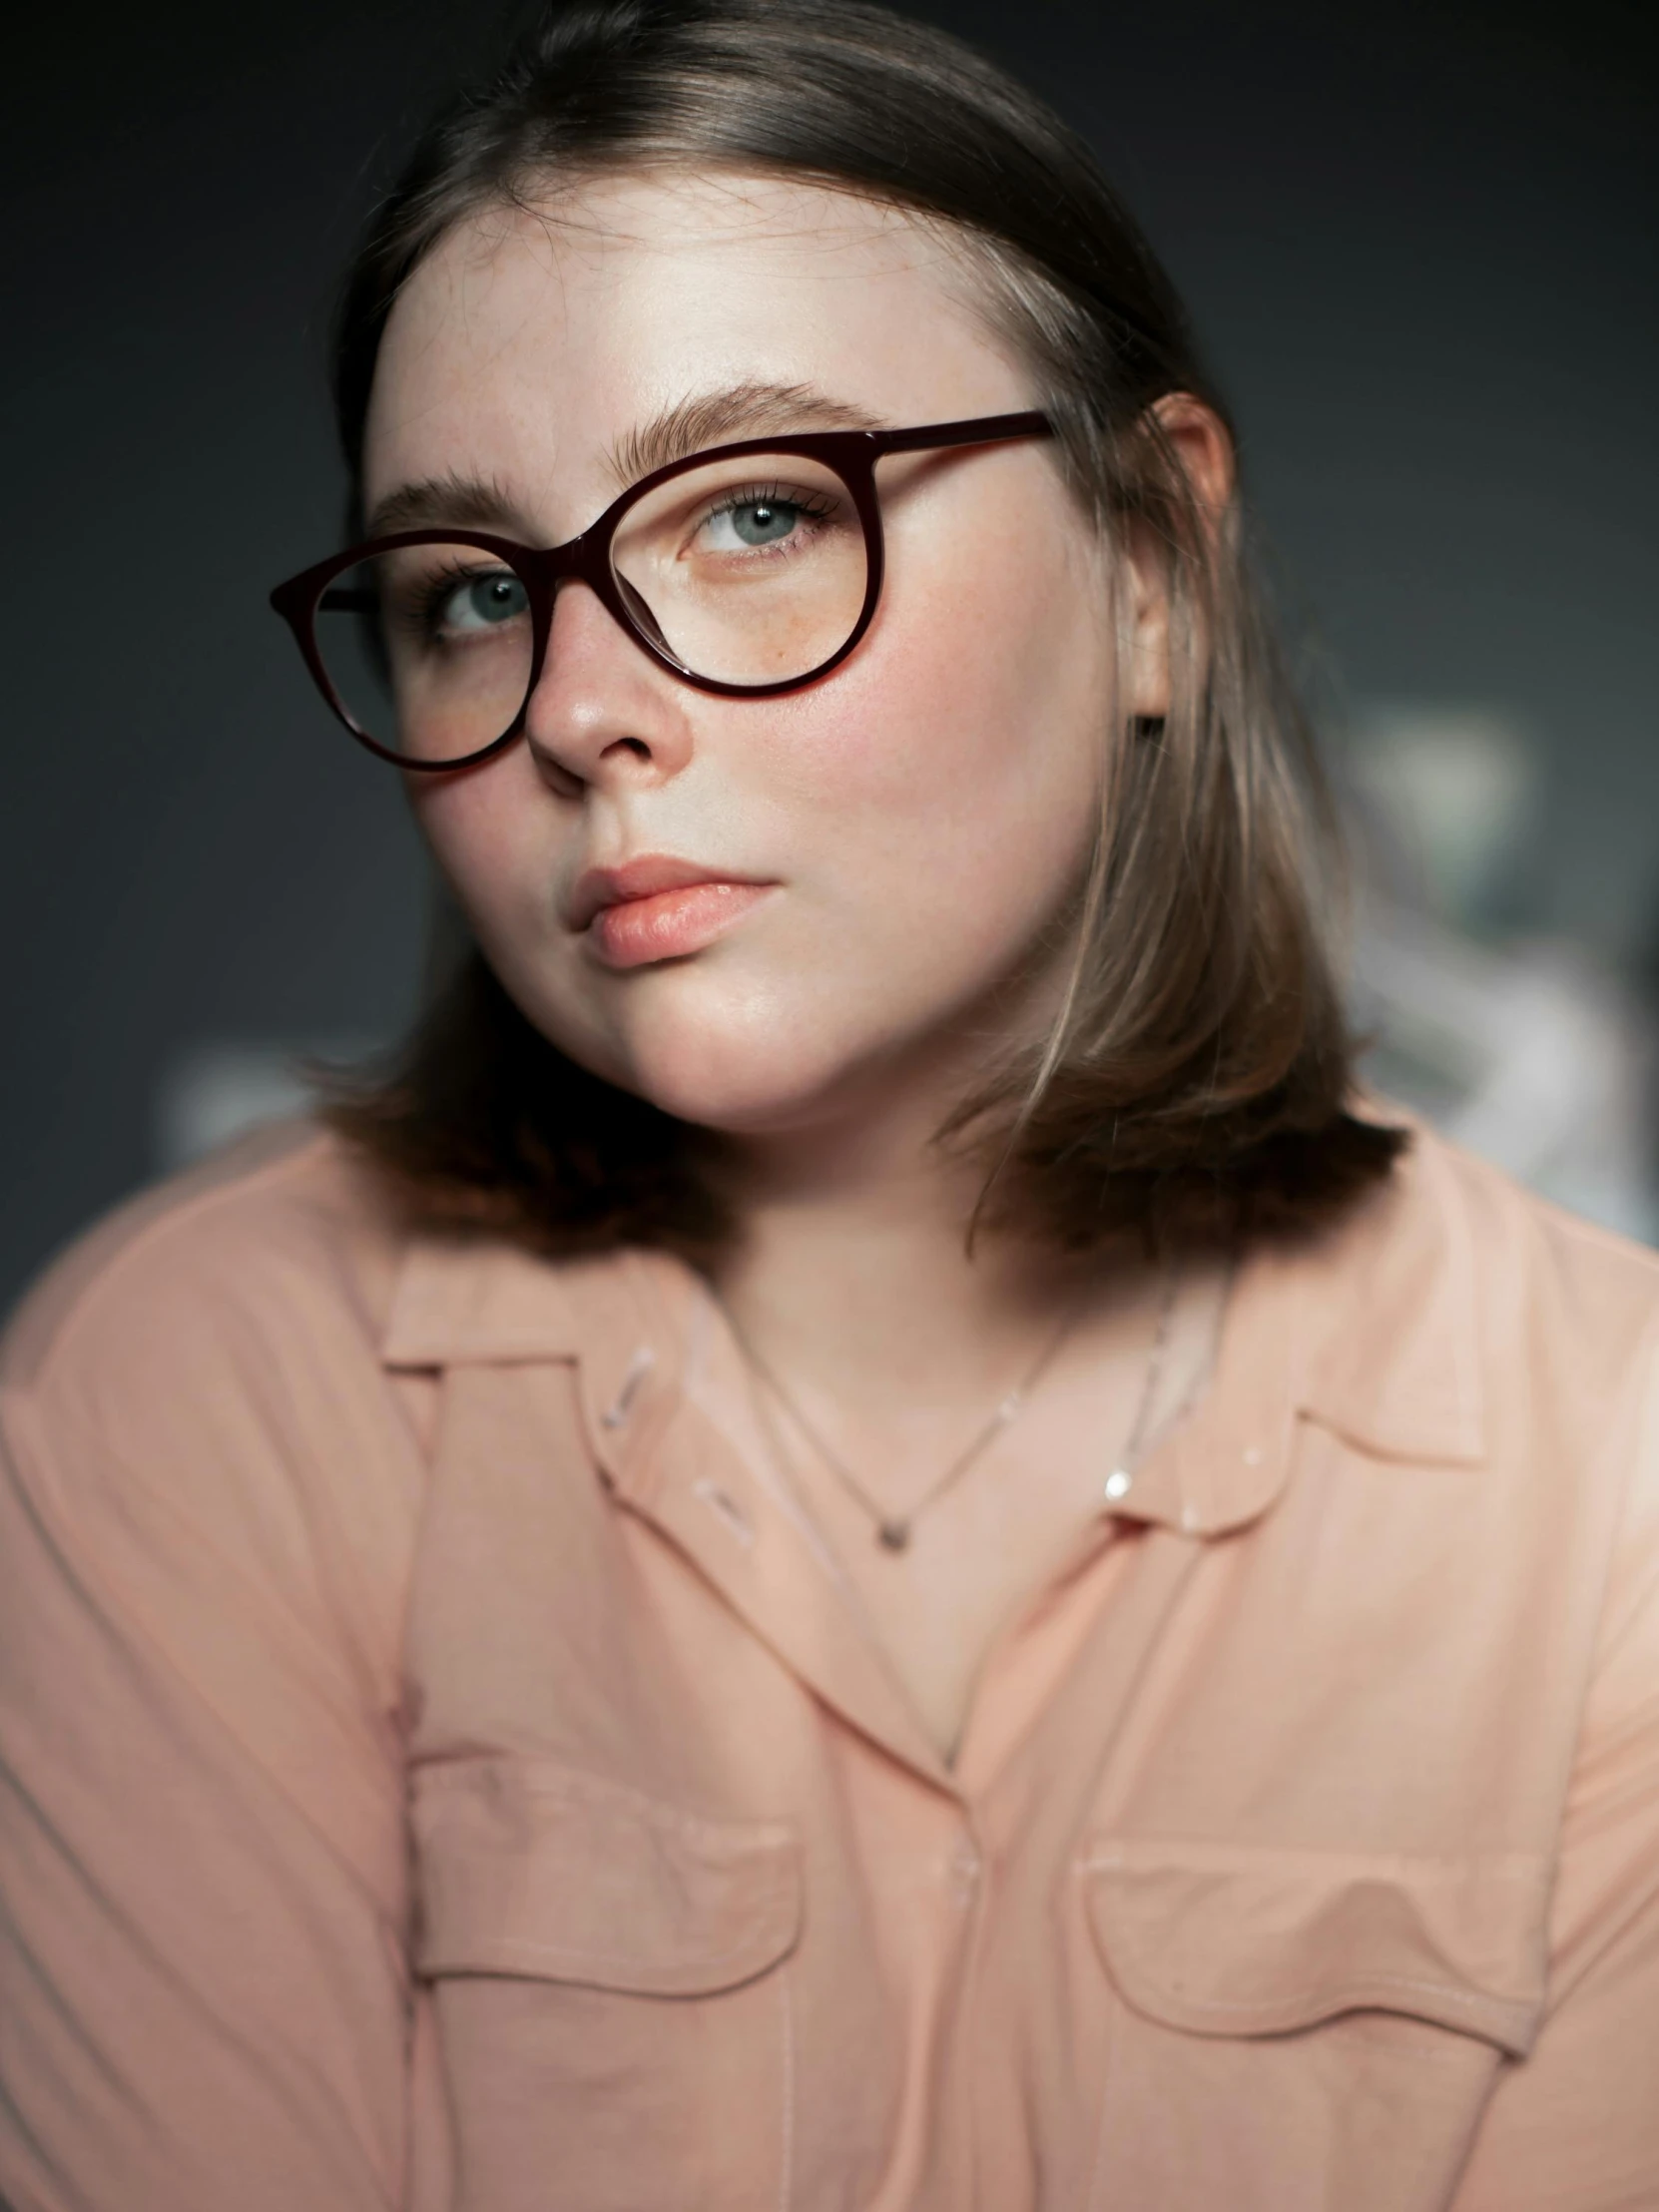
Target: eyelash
[[437, 587], [817, 504]]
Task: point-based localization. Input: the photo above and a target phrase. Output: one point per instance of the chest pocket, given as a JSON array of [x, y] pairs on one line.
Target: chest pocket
[[610, 1989], [1307, 2029]]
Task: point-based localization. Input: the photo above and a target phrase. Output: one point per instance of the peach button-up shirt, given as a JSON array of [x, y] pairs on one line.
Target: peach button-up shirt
[[440, 1767]]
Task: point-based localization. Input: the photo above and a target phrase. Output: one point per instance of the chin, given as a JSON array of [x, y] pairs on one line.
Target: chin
[[737, 1089], [741, 1070]]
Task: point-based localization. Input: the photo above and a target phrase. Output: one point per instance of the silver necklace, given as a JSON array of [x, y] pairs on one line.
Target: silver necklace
[[893, 1530]]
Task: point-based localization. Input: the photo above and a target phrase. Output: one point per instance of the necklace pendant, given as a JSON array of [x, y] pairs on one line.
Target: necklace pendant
[[896, 1535]]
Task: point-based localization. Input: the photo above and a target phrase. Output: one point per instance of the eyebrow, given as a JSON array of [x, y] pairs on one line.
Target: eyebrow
[[748, 409], [469, 502]]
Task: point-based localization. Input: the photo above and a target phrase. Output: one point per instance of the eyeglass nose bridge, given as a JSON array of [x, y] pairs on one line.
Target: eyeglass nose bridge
[[586, 559]]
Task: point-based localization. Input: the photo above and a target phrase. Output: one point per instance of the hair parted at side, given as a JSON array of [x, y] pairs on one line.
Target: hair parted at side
[[1197, 1083]]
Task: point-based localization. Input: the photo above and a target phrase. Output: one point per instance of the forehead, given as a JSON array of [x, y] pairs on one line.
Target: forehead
[[535, 338]]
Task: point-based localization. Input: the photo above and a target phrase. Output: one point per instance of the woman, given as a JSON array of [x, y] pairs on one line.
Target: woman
[[860, 1544]]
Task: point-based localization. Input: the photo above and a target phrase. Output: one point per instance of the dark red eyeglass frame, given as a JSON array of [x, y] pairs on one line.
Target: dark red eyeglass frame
[[852, 454]]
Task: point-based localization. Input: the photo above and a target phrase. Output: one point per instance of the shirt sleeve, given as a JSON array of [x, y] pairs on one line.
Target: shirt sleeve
[[205, 1997], [1574, 2127]]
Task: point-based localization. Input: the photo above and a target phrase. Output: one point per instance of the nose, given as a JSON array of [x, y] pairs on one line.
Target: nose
[[602, 713]]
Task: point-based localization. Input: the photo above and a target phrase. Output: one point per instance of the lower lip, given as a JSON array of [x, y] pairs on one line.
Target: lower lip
[[669, 925]]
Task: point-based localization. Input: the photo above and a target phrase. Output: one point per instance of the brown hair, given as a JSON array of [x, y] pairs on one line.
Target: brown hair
[[1197, 1080]]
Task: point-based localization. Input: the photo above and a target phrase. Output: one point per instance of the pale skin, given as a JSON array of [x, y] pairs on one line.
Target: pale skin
[[921, 817]]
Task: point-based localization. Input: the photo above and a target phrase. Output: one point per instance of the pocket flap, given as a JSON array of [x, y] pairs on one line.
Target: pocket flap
[[1229, 1942], [528, 1868]]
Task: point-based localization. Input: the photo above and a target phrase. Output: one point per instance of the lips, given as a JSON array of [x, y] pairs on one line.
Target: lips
[[658, 908]]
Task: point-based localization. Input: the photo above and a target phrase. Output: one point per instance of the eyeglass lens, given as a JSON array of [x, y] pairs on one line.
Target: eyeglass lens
[[749, 571]]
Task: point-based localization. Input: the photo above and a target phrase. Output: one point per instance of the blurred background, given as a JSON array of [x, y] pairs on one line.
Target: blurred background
[[1419, 243]]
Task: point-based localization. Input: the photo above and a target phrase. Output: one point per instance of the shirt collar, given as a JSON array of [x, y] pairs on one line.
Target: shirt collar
[[1371, 1330], [621, 1318], [463, 1299]]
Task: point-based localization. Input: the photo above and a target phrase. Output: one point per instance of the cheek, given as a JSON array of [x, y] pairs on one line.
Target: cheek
[[488, 830], [968, 734]]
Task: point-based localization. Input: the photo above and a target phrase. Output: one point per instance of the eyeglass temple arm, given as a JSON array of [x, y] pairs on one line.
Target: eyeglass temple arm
[[981, 431]]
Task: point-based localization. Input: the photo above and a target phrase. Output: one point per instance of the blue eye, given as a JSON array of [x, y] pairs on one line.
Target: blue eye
[[753, 522], [765, 521], [483, 601]]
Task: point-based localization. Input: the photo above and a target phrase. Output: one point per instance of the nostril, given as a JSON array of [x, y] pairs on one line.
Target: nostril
[[636, 746], [562, 782]]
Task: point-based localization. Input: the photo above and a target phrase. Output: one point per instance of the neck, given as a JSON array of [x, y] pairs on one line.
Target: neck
[[853, 1276]]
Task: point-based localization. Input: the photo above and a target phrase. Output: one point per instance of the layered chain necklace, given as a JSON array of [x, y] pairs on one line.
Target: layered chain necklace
[[893, 1530]]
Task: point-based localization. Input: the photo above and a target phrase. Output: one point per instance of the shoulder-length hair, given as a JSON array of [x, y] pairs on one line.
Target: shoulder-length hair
[[1196, 1082]]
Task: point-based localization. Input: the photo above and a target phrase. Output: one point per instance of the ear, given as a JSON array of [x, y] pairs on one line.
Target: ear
[[1199, 440]]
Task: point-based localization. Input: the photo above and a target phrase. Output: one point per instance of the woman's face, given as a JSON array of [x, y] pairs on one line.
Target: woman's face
[[896, 845]]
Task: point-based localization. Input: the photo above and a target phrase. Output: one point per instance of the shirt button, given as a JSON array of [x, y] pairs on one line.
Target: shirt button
[[1119, 1485], [616, 1413], [966, 1866], [727, 1506]]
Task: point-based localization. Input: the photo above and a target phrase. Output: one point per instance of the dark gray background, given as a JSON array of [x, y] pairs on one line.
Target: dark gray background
[[1418, 240]]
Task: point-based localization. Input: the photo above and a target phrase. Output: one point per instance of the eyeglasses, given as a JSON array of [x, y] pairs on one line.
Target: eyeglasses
[[749, 570]]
